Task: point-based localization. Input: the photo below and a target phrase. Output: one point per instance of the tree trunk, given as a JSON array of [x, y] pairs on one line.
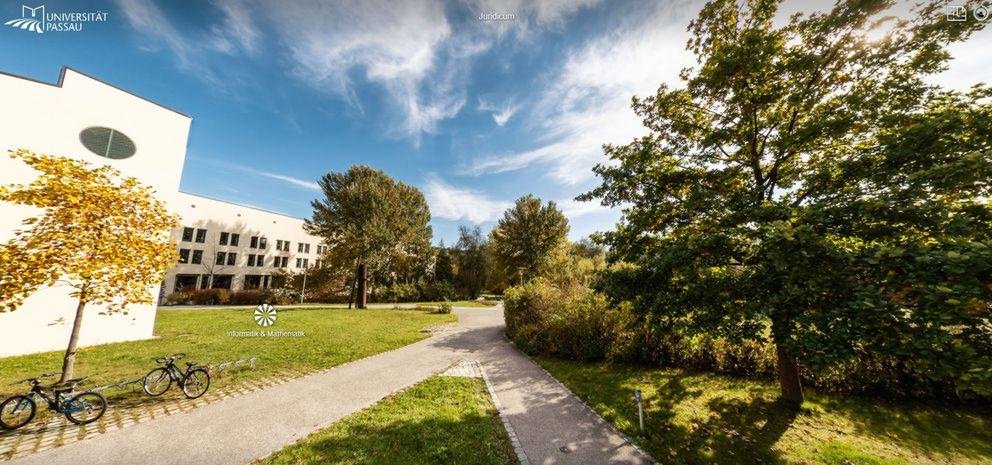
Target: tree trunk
[[69, 361], [788, 377], [362, 285]]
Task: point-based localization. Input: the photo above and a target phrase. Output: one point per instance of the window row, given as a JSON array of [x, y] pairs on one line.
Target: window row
[[188, 235], [187, 282], [190, 256]]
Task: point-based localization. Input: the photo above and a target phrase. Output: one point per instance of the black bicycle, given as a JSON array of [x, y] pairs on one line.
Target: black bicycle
[[194, 382], [82, 408]]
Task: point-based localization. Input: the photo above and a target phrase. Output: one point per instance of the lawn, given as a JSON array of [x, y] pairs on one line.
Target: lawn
[[694, 418], [331, 337], [441, 420]]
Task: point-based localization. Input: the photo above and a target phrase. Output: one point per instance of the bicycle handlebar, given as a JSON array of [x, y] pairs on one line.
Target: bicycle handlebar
[[171, 358]]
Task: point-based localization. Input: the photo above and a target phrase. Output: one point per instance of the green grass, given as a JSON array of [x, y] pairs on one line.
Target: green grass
[[441, 420], [698, 418], [332, 337]]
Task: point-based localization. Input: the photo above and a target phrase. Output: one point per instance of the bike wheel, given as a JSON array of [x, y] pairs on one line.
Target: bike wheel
[[85, 408], [157, 382], [17, 412], [196, 383]]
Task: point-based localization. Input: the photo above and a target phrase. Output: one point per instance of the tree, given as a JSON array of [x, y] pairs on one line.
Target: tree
[[444, 271], [367, 218], [527, 235], [103, 235], [473, 261], [809, 179]]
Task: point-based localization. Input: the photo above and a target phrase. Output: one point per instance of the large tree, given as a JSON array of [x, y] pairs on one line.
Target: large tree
[[104, 236], [368, 218], [811, 180], [473, 261], [527, 235], [444, 267]]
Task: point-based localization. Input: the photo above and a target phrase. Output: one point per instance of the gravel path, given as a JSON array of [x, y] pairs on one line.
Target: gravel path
[[553, 425]]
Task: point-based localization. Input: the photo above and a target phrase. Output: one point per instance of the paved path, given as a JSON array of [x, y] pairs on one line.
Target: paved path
[[238, 430]]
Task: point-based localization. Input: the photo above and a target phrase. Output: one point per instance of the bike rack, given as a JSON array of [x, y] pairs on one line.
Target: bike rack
[[219, 368]]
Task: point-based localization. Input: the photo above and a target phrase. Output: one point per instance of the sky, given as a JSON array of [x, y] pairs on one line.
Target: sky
[[475, 111]]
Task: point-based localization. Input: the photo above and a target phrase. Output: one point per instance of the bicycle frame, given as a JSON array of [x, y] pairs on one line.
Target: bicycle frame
[[55, 403]]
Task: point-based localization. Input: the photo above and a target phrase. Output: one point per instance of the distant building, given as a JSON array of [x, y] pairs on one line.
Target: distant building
[[221, 244]]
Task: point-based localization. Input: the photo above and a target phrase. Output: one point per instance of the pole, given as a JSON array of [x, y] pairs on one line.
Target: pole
[[640, 409], [304, 290]]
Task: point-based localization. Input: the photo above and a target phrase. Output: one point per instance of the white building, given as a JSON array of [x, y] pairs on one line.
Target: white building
[[86, 119]]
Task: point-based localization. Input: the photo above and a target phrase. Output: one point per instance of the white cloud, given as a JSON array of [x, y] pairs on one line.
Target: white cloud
[[501, 113], [455, 203], [397, 45], [573, 208], [586, 101], [257, 172], [193, 50]]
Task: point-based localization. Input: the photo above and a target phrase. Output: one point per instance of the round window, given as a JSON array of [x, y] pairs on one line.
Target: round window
[[107, 142]]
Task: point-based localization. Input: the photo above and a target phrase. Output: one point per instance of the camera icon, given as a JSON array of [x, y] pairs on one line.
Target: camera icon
[[981, 13]]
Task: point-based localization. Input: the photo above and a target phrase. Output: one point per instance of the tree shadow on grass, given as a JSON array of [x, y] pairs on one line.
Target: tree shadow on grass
[[930, 429]]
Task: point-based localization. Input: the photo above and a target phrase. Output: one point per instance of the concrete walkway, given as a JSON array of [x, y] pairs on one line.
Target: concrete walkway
[[553, 426]]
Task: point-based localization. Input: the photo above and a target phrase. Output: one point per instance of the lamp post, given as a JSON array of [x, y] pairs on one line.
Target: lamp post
[[304, 290]]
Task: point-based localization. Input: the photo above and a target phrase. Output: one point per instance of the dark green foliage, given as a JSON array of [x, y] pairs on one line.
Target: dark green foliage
[[526, 237], [473, 261], [444, 270], [367, 217], [420, 291], [807, 186]]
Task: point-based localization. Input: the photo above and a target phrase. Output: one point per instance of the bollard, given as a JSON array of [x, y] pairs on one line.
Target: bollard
[[640, 409]]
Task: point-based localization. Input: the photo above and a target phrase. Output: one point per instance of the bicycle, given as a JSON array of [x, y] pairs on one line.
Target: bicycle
[[83, 408], [194, 382]]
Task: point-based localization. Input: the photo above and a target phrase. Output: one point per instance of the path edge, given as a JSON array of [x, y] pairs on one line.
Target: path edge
[[514, 441]]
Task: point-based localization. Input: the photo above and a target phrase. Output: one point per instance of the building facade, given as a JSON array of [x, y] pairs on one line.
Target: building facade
[[227, 246], [83, 118]]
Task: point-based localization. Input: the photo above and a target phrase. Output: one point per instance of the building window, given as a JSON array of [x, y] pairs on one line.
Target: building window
[[234, 239], [220, 258], [232, 258], [281, 262], [107, 142], [260, 261], [185, 282], [262, 243], [183, 255], [222, 281], [285, 246], [201, 235], [252, 281], [254, 242], [265, 281], [223, 238], [278, 244], [204, 281], [197, 257], [251, 259], [316, 263], [299, 263], [187, 234]]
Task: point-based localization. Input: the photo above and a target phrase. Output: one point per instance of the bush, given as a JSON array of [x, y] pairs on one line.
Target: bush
[[444, 308], [577, 323], [421, 291], [210, 296], [256, 297], [178, 298]]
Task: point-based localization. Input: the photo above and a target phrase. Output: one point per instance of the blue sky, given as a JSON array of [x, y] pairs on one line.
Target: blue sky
[[474, 112]]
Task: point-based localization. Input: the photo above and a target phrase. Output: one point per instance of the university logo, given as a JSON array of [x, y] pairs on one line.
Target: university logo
[[32, 19], [37, 20], [265, 315]]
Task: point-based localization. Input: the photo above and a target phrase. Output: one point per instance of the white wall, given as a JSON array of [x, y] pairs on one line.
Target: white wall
[[48, 118]]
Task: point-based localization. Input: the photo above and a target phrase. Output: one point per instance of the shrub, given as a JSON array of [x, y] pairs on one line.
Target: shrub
[[444, 308], [256, 297], [210, 296], [178, 298]]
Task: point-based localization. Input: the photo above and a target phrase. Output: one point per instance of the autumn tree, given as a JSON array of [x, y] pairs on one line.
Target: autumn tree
[[473, 261], [527, 235], [366, 218], [105, 236], [812, 180]]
